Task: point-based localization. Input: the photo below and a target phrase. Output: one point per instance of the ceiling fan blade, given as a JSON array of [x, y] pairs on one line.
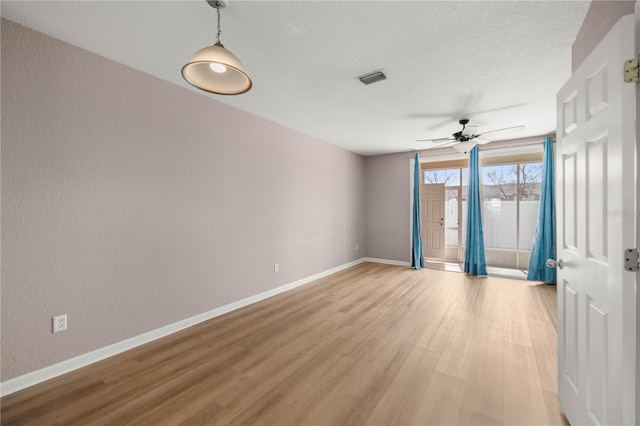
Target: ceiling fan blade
[[435, 140], [504, 131], [436, 143], [448, 143], [469, 130]]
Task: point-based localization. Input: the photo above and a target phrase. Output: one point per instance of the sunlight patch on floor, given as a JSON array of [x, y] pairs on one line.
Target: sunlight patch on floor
[[491, 270]]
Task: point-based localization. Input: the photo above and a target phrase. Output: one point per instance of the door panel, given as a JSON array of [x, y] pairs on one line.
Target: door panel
[[596, 91], [596, 199], [596, 186], [570, 220], [433, 221], [597, 372], [570, 341], [434, 240]]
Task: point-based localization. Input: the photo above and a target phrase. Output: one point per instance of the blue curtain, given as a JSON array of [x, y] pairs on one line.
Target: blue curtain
[[544, 242], [417, 257], [474, 260]]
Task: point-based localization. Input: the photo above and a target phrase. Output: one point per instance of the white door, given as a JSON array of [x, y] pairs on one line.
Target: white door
[[433, 220], [596, 192]]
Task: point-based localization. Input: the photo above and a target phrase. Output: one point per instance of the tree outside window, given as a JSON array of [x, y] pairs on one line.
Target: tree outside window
[[511, 181], [450, 177]]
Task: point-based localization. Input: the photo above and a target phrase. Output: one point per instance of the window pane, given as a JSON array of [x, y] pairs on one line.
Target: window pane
[[465, 195], [529, 193], [465, 183], [450, 177], [500, 182], [500, 186], [530, 181], [451, 217]]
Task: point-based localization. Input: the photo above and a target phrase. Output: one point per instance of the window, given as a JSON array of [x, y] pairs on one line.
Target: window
[[511, 197], [465, 196], [511, 181], [499, 192]]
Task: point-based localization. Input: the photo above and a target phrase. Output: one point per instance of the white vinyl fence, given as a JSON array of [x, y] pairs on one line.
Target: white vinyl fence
[[499, 223]]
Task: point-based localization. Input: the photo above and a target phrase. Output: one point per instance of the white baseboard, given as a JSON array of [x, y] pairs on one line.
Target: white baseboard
[[21, 382], [386, 262]]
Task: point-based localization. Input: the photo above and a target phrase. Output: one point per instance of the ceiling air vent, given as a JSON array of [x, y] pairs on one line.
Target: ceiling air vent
[[372, 77]]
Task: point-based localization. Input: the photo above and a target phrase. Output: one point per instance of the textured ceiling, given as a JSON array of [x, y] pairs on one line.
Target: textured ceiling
[[498, 63]]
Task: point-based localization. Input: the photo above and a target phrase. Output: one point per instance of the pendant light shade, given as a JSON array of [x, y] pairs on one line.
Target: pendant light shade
[[216, 70]]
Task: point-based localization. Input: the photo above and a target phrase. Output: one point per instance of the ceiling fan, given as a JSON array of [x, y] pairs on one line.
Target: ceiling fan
[[467, 138]]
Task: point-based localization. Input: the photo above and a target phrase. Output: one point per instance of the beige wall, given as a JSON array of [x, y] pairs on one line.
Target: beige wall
[[130, 203], [600, 18]]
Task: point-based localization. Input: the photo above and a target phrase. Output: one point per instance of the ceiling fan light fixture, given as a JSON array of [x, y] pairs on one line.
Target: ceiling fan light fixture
[[214, 69], [464, 147]]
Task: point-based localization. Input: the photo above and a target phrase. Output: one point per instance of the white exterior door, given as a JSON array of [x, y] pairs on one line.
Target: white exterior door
[[433, 220], [596, 195]]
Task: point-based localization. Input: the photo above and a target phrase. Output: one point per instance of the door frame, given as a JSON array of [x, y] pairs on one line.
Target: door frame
[[637, 213], [430, 158]]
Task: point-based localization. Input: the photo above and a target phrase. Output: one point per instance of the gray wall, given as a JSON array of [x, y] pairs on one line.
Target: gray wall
[[130, 203], [600, 18], [387, 198]]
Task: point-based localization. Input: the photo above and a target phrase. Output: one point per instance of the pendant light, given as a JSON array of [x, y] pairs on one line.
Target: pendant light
[[214, 69]]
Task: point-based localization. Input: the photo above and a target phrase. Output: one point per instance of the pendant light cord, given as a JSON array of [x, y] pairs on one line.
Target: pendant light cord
[[219, 30]]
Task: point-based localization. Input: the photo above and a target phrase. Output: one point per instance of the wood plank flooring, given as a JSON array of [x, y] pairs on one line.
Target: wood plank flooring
[[372, 345]]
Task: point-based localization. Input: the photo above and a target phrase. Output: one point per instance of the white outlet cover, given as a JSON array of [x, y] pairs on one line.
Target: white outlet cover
[[59, 323]]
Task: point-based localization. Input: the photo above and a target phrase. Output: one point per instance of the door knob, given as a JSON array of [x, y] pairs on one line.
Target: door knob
[[552, 263]]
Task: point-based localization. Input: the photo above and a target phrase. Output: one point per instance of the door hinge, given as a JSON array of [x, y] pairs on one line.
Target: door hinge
[[631, 74], [631, 260]]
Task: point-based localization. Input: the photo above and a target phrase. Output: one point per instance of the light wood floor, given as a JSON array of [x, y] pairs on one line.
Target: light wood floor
[[374, 344]]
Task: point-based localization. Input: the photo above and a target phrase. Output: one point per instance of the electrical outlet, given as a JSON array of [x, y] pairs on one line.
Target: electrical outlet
[[276, 267], [59, 323], [356, 247]]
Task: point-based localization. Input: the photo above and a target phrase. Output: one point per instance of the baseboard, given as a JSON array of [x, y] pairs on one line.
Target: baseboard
[[386, 261], [21, 382]]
